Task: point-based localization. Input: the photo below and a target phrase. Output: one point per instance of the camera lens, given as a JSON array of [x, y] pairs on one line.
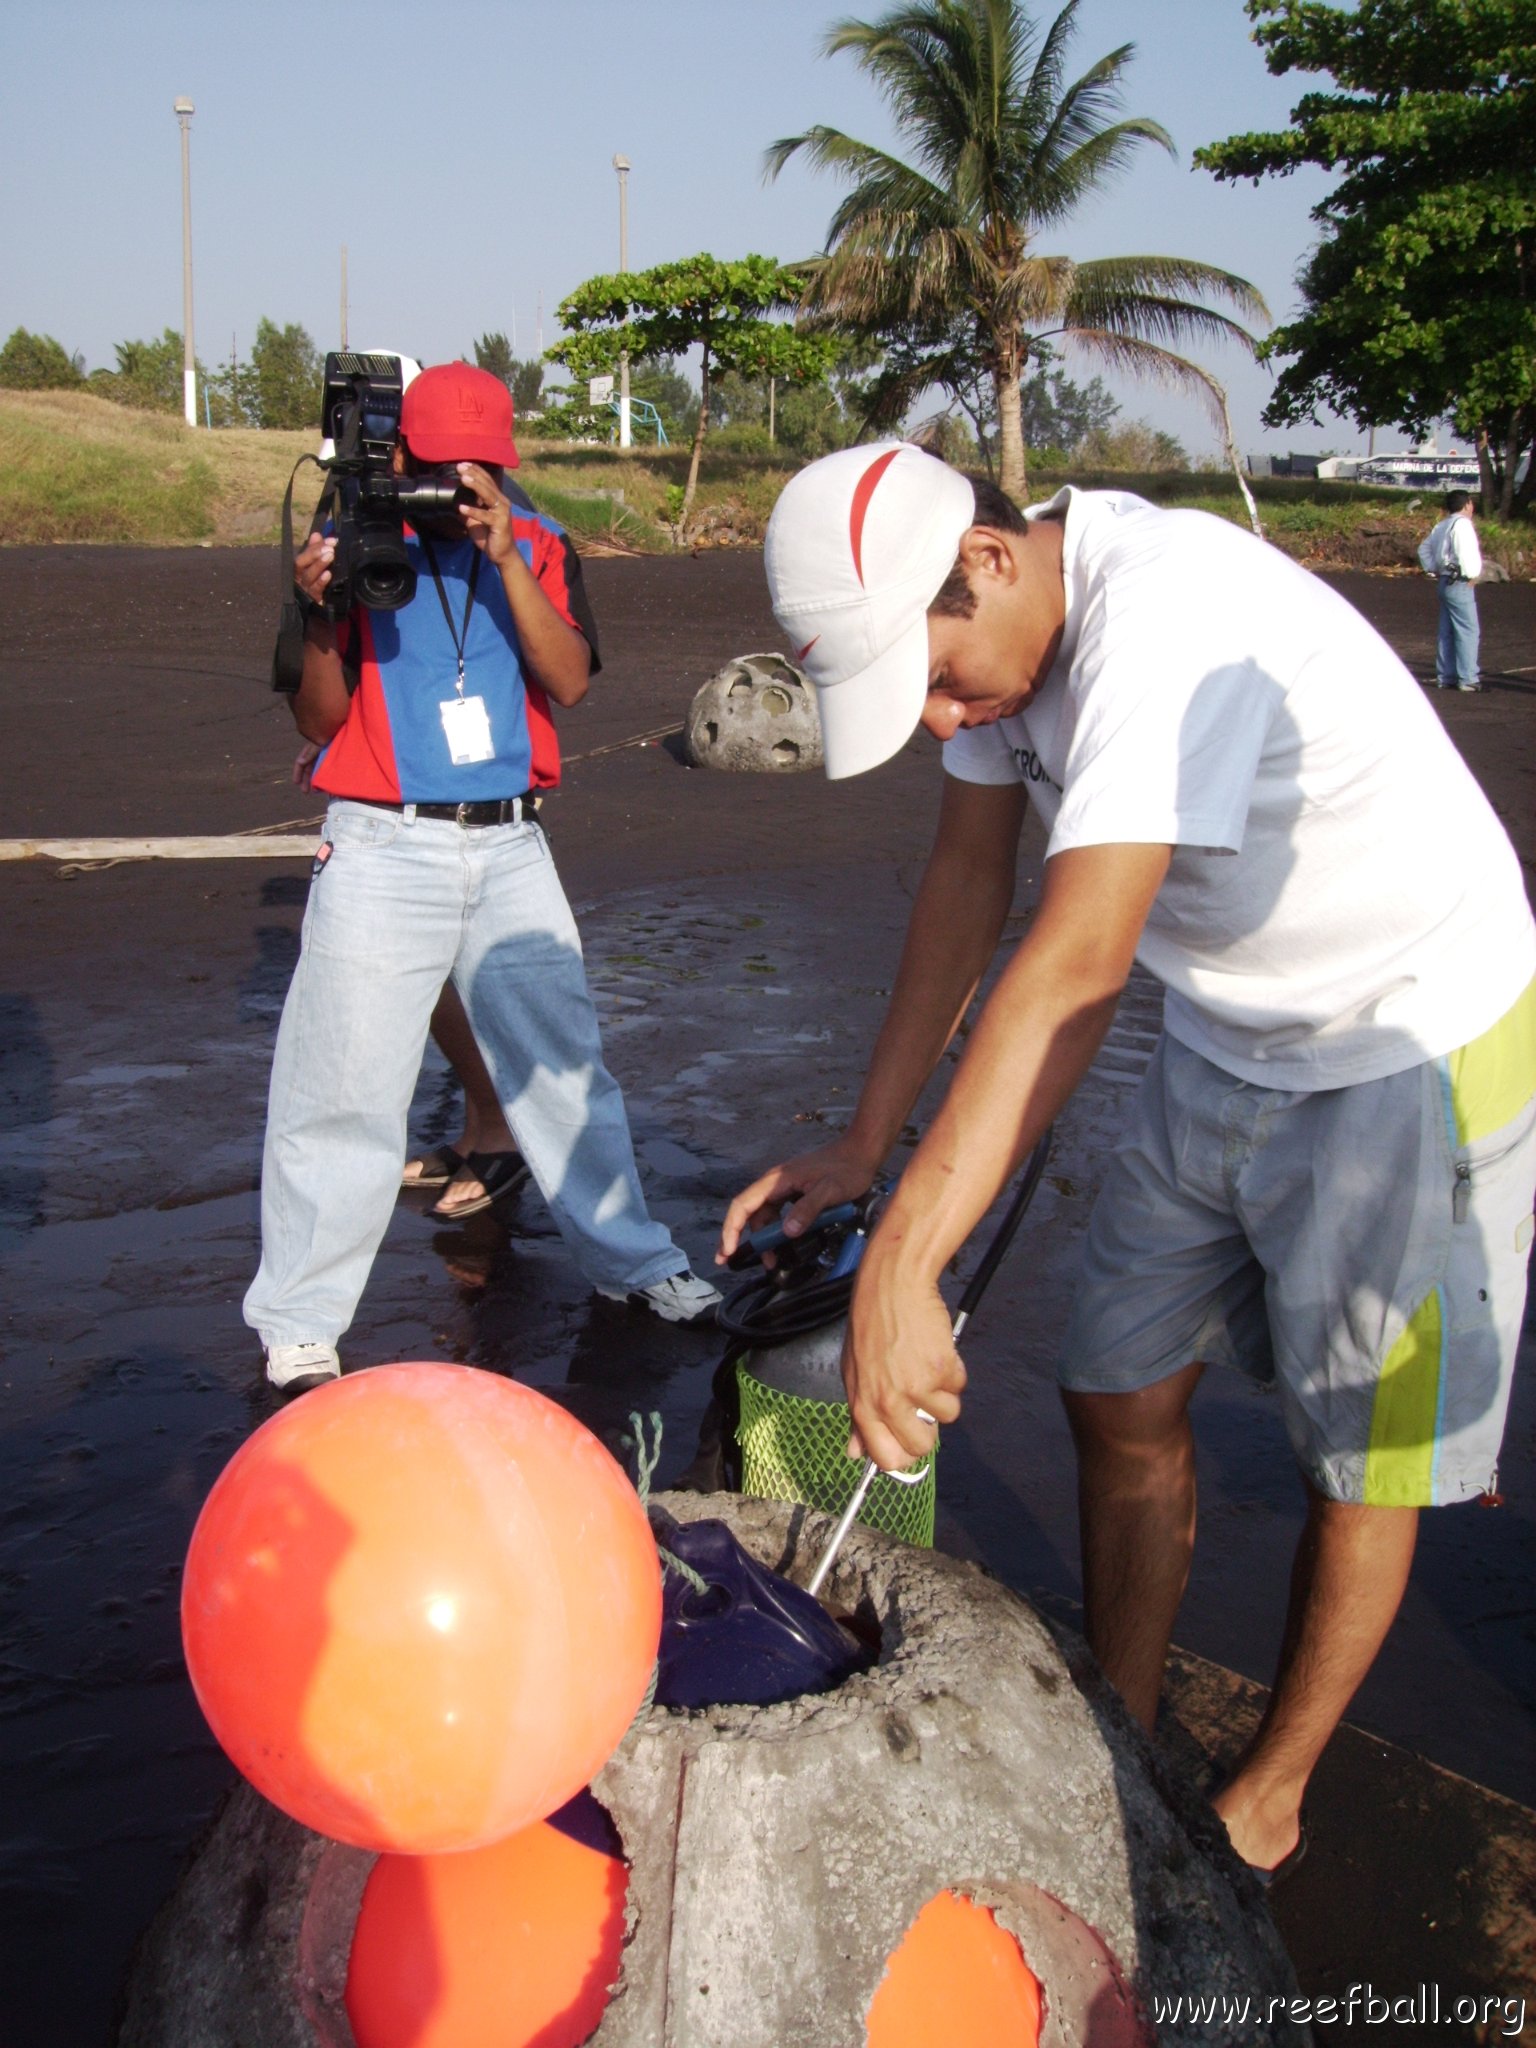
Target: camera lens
[[432, 497], [382, 576], [385, 586]]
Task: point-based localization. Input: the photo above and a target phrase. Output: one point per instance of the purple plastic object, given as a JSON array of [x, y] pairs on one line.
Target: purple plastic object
[[750, 1638]]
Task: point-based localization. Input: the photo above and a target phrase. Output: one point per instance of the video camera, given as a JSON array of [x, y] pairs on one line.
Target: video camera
[[369, 504]]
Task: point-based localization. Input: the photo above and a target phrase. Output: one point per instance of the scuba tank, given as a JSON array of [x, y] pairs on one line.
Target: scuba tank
[[784, 1423], [785, 1327]]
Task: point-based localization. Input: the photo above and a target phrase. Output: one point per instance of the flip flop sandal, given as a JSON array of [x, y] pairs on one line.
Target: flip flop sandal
[[499, 1174], [434, 1169], [1268, 1879]]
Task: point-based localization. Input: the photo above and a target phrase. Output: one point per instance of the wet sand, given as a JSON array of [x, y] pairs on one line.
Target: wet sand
[[741, 935]]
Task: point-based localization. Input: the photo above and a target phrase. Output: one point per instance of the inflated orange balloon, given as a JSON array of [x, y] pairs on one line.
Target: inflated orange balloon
[[505, 1947], [957, 1976], [421, 1606]]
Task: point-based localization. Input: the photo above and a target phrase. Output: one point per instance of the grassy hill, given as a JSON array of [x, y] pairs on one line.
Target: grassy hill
[[74, 467]]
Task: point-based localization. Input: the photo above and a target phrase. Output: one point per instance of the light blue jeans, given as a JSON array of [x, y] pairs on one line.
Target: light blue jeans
[[1456, 654], [397, 907]]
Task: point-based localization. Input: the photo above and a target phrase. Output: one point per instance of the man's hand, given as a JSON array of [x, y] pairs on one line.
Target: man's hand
[[899, 1358], [488, 522], [304, 763], [820, 1180], [312, 565]]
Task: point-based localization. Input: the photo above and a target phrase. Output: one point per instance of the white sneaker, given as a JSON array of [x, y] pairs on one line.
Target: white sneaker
[[680, 1298], [295, 1368]]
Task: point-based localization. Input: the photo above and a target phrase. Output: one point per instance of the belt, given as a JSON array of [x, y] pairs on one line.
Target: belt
[[507, 810]]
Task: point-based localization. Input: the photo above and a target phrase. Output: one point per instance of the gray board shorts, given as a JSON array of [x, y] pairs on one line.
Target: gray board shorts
[[1362, 1249]]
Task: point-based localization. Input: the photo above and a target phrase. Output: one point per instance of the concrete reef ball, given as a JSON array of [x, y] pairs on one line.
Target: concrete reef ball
[[780, 1856], [757, 715]]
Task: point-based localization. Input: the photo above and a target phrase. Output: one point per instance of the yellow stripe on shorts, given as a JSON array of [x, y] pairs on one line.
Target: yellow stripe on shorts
[[1494, 1077], [1399, 1460]]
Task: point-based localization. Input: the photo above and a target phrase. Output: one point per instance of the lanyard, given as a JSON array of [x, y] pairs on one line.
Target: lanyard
[[459, 635]]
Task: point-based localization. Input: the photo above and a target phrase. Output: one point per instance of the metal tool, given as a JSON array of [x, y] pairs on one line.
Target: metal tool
[[979, 1282]]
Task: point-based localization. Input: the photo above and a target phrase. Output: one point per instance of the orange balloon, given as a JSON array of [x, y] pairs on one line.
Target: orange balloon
[[514, 1946], [957, 1976], [420, 1608]]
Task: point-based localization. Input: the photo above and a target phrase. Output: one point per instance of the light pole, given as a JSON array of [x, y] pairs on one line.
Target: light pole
[[184, 111], [622, 166]]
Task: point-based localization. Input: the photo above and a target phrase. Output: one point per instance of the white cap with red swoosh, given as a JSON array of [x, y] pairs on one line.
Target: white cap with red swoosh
[[857, 549]]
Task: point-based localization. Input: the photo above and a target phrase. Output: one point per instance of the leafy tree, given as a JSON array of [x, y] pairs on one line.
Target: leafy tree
[[527, 381], [937, 257], [287, 370], [36, 362], [738, 401], [808, 419], [660, 380], [1133, 446], [230, 396], [723, 309], [948, 438], [148, 374], [1060, 414], [1420, 300], [493, 352]]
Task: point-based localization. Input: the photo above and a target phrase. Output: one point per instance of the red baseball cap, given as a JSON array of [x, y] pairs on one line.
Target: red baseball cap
[[456, 413]]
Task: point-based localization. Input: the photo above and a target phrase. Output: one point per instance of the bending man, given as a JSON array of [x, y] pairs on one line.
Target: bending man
[[1327, 1180]]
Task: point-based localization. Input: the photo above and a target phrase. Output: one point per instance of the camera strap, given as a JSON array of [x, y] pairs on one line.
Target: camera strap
[[459, 634], [288, 654]]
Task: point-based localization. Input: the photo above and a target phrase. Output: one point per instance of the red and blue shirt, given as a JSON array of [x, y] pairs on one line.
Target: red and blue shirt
[[392, 747]]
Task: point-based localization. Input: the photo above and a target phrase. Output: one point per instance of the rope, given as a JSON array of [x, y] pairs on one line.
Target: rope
[[637, 739], [646, 1462]]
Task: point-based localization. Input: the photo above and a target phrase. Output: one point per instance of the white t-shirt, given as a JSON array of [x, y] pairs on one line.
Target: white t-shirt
[[1342, 902], [1451, 549]]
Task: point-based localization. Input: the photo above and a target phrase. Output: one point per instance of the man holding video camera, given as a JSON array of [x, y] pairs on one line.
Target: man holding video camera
[[435, 719]]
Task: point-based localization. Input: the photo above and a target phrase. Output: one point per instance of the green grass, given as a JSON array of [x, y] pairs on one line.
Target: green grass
[[1326, 525], [74, 467], [596, 484], [106, 485]]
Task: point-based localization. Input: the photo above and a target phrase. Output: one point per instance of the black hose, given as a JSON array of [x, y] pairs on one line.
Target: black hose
[[992, 1257], [764, 1312]]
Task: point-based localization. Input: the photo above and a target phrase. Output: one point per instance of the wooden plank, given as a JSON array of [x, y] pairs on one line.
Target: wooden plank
[[228, 846]]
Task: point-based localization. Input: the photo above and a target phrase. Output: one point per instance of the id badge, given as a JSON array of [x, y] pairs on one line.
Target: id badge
[[467, 729]]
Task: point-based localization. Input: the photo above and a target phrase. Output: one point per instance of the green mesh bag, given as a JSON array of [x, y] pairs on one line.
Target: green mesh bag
[[795, 1449]]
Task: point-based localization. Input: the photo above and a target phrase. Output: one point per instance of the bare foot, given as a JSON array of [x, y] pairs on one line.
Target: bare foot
[[1263, 1829], [483, 1179]]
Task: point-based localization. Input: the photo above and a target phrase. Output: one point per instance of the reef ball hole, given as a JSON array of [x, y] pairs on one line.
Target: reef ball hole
[[776, 700], [863, 1624], [711, 730], [741, 687], [786, 753], [516, 1944], [956, 1976]]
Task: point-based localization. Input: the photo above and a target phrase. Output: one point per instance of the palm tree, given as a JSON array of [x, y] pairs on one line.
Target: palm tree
[[945, 246]]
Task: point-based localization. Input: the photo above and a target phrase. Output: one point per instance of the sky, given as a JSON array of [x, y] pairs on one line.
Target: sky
[[463, 156]]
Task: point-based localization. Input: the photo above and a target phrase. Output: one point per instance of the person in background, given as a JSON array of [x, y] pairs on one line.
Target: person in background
[[485, 1165], [1450, 553], [438, 735]]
